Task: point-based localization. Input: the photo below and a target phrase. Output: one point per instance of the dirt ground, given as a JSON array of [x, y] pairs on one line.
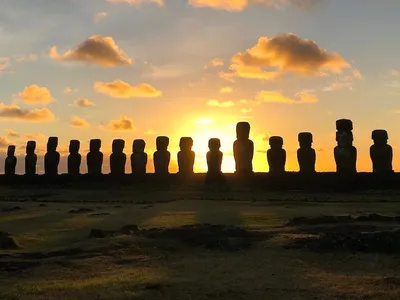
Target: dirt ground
[[122, 244]]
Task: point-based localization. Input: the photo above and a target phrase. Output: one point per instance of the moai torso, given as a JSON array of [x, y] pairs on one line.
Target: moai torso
[[162, 156], [381, 153], [276, 155], [118, 158], [74, 158], [243, 149], [52, 157], [214, 157], [138, 157], [345, 153], [30, 158], [186, 156], [306, 154], [94, 158], [11, 161]]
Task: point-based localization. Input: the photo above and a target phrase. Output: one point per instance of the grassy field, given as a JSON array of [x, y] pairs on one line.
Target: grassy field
[[57, 260]]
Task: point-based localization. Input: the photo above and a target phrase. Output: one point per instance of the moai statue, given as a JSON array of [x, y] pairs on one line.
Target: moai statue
[[138, 157], [214, 157], [52, 157], [276, 155], [11, 161], [94, 158], [162, 156], [74, 158], [381, 153], [306, 154], [118, 157], [243, 149], [186, 156], [345, 153], [30, 158]]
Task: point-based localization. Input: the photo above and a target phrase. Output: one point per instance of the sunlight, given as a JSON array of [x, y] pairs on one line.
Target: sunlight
[[203, 129]]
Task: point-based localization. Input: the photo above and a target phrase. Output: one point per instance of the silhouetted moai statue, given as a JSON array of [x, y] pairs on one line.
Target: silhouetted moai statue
[[138, 157], [11, 161], [214, 157], [276, 155], [52, 157], [30, 158], [74, 158], [243, 149], [118, 157], [381, 153], [94, 158], [186, 156], [162, 156], [345, 153], [306, 154]]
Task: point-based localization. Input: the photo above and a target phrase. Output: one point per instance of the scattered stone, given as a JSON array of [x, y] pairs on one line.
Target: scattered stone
[[17, 266], [118, 206], [80, 210], [301, 221], [97, 233], [375, 218], [129, 229], [100, 214], [7, 242], [153, 286], [9, 209], [42, 205], [385, 242]]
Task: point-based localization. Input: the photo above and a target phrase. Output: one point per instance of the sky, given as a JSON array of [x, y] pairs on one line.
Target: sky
[[84, 69]]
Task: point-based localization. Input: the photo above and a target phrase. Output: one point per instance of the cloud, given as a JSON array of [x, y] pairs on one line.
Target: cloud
[[4, 63], [225, 104], [239, 5], [12, 133], [27, 58], [344, 82], [123, 124], [4, 142], [34, 95], [78, 122], [138, 2], [15, 113], [286, 53], [35, 136], [246, 110], [99, 16], [83, 102], [278, 97], [215, 62], [67, 90], [96, 50], [121, 89], [226, 90], [151, 132]]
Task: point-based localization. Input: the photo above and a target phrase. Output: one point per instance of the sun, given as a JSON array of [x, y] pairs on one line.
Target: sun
[[203, 129]]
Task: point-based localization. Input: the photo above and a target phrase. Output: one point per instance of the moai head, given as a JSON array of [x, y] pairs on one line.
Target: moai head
[[344, 125], [118, 146], [52, 144], [138, 146], [276, 142], [243, 130], [162, 143], [214, 144], [344, 138], [11, 150], [186, 143], [30, 147], [74, 146], [380, 137], [95, 145], [305, 139]]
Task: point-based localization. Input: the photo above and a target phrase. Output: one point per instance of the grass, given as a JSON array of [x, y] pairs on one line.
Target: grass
[[125, 267]]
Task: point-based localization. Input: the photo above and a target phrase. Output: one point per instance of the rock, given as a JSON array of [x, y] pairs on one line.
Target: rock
[[80, 210], [7, 242], [97, 233], [129, 229]]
